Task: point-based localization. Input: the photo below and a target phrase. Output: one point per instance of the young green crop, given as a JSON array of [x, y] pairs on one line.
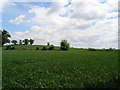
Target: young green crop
[[59, 69]]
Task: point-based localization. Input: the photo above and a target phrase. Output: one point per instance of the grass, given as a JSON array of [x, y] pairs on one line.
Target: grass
[[59, 69]]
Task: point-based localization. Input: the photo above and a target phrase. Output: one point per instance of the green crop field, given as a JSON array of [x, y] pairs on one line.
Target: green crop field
[[74, 68]]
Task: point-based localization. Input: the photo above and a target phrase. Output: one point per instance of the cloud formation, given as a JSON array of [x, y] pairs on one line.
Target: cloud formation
[[18, 20], [84, 24]]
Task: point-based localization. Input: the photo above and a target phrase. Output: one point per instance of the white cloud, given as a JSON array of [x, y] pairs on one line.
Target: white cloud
[[18, 20], [90, 9], [88, 25]]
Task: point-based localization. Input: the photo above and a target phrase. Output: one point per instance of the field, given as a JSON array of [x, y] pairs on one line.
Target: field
[[75, 68]]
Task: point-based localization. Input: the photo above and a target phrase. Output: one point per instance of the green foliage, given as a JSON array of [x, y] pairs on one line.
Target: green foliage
[[0, 38], [10, 47], [59, 69], [64, 45], [37, 48], [20, 42], [26, 41], [91, 49], [44, 48], [31, 41], [5, 37], [27, 47], [48, 43], [14, 42], [51, 47], [110, 49]]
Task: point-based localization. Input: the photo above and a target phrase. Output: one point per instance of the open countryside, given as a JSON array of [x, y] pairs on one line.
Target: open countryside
[[59, 44]]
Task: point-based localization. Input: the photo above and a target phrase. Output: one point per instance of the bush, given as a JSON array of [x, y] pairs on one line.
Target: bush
[[10, 47], [44, 48], [51, 47], [91, 49], [110, 49], [37, 48], [101, 50], [64, 45]]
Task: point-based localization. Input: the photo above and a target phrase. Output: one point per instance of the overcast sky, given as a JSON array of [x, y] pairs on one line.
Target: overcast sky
[[84, 23]]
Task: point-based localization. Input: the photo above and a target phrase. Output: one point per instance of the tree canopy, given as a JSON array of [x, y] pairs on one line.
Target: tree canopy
[[5, 37], [26, 41], [14, 41], [31, 41], [64, 45], [0, 38]]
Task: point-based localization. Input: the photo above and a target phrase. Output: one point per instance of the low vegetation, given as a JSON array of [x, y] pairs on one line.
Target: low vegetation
[[59, 69]]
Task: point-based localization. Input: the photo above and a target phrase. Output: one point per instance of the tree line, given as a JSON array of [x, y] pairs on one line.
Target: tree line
[[64, 45], [23, 42]]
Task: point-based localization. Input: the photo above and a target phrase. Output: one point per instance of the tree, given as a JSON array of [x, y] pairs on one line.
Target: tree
[[14, 41], [51, 47], [20, 42], [64, 45], [0, 38], [48, 43], [26, 41], [31, 41], [5, 37]]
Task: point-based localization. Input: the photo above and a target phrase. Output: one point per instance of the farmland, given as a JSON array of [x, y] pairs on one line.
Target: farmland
[[74, 68]]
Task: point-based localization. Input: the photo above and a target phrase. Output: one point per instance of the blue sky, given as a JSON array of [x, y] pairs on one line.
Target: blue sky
[[79, 22], [12, 11], [20, 8]]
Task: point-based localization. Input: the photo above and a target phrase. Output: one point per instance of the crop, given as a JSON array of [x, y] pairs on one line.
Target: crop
[[59, 69]]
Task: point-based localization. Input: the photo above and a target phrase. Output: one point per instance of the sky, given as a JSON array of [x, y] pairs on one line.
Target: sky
[[83, 23]]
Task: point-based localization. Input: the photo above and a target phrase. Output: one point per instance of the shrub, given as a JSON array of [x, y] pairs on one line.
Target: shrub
[[44, 48], [7, 47], [101, 50], [10, 47], [51, 47], [110, 49], [37, 48], [64, 45], [91, 49]]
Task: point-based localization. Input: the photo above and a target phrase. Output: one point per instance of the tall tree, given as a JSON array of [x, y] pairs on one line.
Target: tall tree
[[14, 41], [20, 42], [48, 43], [5, 37], [0, 38], [31, 41], [26, 41]]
